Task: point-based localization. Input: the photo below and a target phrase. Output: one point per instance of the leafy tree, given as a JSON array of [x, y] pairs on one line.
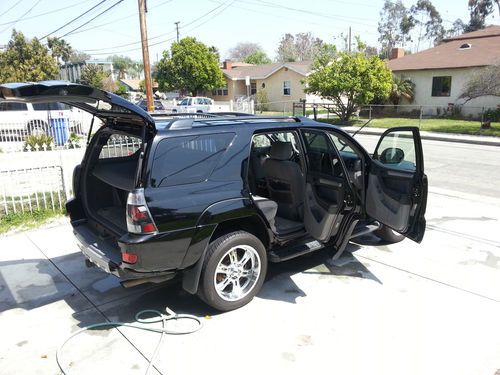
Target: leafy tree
[[121, 64], [401, 88], [242, 50], [60, 49], [394, 26], [479, 10], [301, 47], [351, 80], [257, 58], [484, 82], [78, 57], [425, 15], [190, 66], [457, 28], [93, 75], [26, 60]]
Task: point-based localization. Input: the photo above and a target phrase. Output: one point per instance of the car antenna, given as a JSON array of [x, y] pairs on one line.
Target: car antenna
[[357, 131]]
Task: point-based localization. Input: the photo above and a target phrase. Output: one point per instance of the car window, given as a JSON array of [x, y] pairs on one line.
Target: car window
[[186, 160], [397, 149], [189, 102], [50, 106], [118, 146], [13, 106], [199, 101], [321, 156], [184, 102]]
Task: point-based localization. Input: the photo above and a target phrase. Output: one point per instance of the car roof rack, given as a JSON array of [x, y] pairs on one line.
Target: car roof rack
[[187, 123]]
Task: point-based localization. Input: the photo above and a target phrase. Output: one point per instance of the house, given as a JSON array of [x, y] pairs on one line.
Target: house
[[72, 72], [281, 82], [440, 73]]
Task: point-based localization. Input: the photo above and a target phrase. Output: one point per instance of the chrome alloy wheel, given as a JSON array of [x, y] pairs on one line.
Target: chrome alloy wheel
[[237, 273]]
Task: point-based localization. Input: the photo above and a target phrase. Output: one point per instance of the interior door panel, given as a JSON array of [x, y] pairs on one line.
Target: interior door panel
[[396, 194], [389, 196]]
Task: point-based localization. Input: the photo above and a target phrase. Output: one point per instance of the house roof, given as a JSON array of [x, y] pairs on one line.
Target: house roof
[[239, 72], [132, 83], [484, 50]]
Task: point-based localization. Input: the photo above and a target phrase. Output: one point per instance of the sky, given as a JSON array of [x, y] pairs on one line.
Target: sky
[[221, 23]]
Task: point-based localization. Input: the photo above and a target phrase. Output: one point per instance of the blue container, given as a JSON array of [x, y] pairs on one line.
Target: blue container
[[59, 130]]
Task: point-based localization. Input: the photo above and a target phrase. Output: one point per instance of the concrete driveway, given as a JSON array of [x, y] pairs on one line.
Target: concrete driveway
[[381, 309]]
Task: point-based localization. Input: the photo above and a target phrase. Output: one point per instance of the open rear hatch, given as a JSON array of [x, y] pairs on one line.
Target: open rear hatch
[[113, 162]]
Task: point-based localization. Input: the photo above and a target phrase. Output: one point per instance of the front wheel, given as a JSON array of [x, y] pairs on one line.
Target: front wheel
[[233, 271], [388, 235]]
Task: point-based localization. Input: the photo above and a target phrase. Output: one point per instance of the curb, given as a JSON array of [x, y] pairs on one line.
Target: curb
[[439, 137]]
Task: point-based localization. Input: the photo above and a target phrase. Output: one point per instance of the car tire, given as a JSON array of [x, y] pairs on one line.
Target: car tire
[[387, 234], [233, 271]]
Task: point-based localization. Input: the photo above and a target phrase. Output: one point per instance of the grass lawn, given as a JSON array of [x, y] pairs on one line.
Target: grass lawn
[[27, 220], [431, 125]]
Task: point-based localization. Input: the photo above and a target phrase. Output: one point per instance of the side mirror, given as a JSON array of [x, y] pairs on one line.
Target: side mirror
[[392, 155]]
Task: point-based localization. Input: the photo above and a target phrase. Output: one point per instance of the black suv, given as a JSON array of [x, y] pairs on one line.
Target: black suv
[[215, 199]]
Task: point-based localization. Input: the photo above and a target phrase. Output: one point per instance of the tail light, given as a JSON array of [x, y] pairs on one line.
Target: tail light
[[139, 218]]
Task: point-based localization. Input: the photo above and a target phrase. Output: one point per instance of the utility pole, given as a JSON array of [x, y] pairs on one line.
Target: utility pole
[[145, 55], [177, 29], [349, 39]]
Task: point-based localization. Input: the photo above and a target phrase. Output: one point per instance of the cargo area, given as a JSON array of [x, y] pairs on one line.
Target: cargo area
[[111, 176]]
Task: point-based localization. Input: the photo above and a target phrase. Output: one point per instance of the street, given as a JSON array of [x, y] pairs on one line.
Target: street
[[407, 308]]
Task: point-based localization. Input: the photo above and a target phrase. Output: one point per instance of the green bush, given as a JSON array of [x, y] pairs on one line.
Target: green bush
[[261, 101], [39, 140], [492, 114]]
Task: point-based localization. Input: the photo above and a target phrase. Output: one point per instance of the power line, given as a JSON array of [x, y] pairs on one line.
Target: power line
[[45, 13], [160, 35], [74, 19], [119, 19], [170, 39], [20, 18], [100, 14], [12, 7]]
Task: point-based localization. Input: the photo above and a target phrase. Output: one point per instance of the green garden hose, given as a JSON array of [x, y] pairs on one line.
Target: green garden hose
[[163, 318]]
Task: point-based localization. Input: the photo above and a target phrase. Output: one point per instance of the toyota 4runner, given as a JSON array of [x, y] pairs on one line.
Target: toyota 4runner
[[214, 199]]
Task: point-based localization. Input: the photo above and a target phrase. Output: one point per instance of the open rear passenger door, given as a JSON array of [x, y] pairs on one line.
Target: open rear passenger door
[[397, 186]]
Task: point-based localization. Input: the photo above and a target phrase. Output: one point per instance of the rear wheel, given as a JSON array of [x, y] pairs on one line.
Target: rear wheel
[[233, 271], [387, 234]]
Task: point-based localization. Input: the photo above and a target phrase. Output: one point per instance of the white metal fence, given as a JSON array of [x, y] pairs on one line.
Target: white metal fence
[[32, 189]]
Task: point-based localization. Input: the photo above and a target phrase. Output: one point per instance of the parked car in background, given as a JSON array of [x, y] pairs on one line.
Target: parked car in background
[[158, 105], [212, 199], [196, 104], [35, 118]]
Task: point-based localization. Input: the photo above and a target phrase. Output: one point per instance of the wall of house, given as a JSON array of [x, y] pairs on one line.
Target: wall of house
[[423, 91], [274, 89], [235, 88]]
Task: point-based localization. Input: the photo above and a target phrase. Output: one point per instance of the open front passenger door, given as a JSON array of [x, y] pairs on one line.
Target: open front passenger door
[[397, 186]]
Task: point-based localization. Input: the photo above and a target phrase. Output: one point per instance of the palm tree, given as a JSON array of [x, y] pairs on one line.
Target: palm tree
[[402, 88], [60, 49]]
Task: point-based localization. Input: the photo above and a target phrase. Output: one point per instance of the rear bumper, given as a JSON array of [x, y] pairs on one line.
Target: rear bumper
[[107, 256]]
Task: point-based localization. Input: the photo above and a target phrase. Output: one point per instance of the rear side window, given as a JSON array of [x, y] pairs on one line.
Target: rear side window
[[13, 106], [186, 160], [50, 106], [118, 146]]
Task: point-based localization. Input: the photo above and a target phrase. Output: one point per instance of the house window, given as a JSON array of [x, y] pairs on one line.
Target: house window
[[223, 91], [441, 86], [286, 88], [253, 88]]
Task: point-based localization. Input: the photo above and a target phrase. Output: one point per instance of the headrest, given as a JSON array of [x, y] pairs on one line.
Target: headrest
[[281, 151]]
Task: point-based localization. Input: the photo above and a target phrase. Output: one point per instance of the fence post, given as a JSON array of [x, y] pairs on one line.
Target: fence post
[[482, 117], [420, 118], [304, 107], [370, 113], [315, 112]]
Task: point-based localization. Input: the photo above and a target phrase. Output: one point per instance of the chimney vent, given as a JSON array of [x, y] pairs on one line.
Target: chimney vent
[[227, 65]]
